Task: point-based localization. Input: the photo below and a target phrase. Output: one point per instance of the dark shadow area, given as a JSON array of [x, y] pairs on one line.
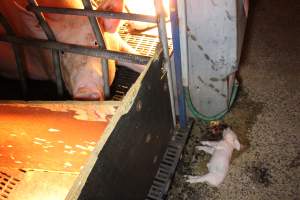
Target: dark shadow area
[[46, 90]]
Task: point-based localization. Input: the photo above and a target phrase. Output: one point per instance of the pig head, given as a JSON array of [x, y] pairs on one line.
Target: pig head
[[82, 74]]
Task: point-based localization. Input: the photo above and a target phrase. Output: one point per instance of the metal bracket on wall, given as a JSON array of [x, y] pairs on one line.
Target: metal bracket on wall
[[166, 170]]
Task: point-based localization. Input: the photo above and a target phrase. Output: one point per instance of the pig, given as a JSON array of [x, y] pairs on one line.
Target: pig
[[82, 74], [218, 165]]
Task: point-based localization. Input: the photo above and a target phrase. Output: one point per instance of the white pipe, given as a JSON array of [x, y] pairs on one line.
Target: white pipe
[[183, 41]]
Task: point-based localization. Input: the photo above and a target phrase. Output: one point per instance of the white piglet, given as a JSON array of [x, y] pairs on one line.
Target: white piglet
[[221, 154]]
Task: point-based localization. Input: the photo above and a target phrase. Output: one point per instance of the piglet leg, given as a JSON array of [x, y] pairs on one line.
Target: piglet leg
[[195, 179], [207, 149], [210, 143], [210, 178]]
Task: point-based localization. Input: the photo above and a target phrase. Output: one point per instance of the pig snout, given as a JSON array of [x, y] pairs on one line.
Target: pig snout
[[88, 93], [83, 76], [88, 85]]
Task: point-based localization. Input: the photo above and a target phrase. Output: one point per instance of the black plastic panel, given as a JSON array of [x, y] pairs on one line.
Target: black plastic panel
[[130, 159]]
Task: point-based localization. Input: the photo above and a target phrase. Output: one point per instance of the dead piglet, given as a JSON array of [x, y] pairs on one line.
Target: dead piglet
[[218, 165]]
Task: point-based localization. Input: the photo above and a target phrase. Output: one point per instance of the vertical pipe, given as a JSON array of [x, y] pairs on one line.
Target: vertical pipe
[[18, 56], [177, 59], [55, 54], [181, 8], [164, 41], [98, 34]]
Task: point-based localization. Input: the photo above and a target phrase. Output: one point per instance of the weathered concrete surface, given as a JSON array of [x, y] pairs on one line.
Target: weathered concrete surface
[[266, 116]]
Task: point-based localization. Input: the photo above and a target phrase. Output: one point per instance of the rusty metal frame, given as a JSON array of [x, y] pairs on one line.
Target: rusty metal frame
[[56, 46], [55, 53], [94, 13], [77, 49]]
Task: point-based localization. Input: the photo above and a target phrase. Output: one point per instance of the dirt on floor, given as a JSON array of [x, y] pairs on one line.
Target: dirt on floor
[[265, 116]]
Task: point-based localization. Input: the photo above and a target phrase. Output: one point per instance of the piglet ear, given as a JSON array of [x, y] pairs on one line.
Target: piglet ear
[[237, 145]]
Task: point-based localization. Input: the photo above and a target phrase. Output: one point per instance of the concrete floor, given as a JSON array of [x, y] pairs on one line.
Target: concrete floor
[[266, 115]]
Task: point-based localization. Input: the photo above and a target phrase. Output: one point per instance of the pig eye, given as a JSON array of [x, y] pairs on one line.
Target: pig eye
[[96, 43], [62, 52]]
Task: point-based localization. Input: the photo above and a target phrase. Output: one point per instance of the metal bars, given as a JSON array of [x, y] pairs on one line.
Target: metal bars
[[94, 13], [55, 53], [18, 56], [106, 54], [164, 41], [99, 37], [77, 49], [177, 63]]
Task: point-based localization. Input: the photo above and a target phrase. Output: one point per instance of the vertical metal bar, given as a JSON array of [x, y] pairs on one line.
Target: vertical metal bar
[[99, 36], [55, 54], [18, 56], [164, 41], [177, 59]]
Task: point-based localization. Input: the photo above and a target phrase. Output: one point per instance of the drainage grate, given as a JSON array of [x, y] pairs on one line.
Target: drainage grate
[[7, 184], [166, 170]]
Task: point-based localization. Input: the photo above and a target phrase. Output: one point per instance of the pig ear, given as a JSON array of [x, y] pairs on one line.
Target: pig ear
[[237, 145], [111, 25], [29, 19]]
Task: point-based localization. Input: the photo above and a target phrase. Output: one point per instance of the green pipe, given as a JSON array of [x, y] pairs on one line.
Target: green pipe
[[203, 117]]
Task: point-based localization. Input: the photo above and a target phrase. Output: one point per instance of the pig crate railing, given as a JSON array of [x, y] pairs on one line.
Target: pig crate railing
[[101, 52]]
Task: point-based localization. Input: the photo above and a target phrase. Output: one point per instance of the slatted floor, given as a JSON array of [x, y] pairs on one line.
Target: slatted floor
[[145, 43]]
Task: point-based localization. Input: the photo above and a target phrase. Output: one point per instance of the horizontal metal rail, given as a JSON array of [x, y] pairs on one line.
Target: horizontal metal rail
[[94, 13], [77, 49]]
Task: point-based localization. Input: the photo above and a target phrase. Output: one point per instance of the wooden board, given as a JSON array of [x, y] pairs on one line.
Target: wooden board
[[37, 185], [51, 136]]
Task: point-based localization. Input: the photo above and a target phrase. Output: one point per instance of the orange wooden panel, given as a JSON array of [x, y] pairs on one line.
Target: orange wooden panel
[[39, 138]]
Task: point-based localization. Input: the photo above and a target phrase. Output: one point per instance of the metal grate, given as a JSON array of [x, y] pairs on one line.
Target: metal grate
[[7, 184], [166, 170], [142, 43]]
